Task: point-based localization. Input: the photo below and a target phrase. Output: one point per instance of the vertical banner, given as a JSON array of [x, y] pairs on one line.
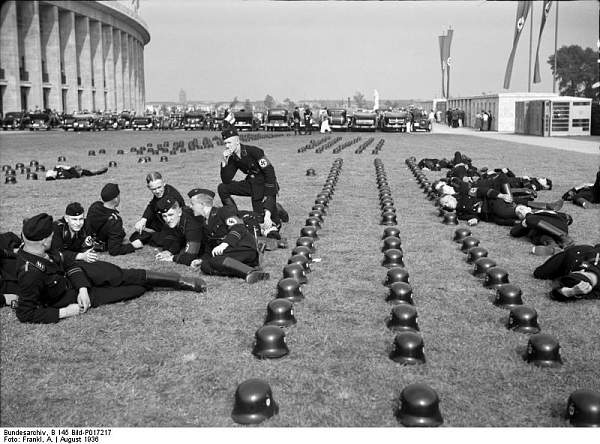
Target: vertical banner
[[442, 39], [536, 72], [447, 60], [522, 12], [375, 100]]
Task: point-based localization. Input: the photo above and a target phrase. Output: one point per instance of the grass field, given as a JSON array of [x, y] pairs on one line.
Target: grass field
[[175, 358]]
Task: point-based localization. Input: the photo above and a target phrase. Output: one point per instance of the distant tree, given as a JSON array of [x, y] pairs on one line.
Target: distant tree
[[269, 101], [576, 70], [248, 105], [234, 102], [289, 104], [359, 99]]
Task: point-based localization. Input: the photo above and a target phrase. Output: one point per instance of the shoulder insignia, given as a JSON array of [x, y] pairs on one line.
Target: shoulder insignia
[[263, 162]]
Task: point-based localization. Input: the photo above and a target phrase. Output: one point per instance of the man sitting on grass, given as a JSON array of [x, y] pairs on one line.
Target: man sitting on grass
[[53, 285], [71, 234]]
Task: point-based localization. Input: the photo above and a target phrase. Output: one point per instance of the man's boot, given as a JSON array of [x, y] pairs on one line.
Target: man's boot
[[283, 214], [175, 280], [582, 202], [229, 202], [554, 206], [563, 236], [251, 275]]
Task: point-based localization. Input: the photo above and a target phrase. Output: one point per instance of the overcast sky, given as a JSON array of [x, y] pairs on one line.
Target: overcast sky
[[219, 49]]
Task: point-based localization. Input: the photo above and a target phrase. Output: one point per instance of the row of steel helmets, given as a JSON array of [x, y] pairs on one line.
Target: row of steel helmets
[[10, 177], [346, 144], [363, 146], [313, 144], [424, 183], [378, 147], [328, 144], [418, 403]]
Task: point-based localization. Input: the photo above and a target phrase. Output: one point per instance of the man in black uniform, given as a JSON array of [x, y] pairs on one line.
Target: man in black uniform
[[231, 250], [182, 235], [296, 117], [71, 234], [9, 245], [106, 224], [546, 229], [151, 222], [53, 285], [260, 182], [585, 195], [307, 121]]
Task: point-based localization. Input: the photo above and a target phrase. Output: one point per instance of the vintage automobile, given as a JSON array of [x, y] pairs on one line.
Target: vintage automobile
[[84, 122], [13, 121], [338, 119], [277, 119], [193, 120], [37, 121], [246, 120], [364, 121], [125, 117], [140, 123], [394, 121], [67, 122], [113, 121], [420, 121]]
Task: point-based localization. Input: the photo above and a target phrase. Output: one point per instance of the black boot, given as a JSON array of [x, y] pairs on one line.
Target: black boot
[[554, 206], [175, 280], [239, 269], [563, 236], [283, 214], [229, 202]]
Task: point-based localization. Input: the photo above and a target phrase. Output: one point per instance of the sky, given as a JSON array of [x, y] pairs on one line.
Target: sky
[[216, 50]]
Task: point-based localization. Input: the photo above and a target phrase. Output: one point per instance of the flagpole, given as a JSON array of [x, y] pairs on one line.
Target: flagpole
[[555, 45], [530, 48]]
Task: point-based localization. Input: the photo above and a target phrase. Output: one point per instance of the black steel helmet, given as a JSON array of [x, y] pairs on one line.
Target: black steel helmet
[[305, 241], [450, 219], [391, 242], [112, 163], [388, 218], [311, 172], [309, 231], [460, 234], [523, 319], [300, 259], [313, 222], [508, 296], [475, 253], [270, 343], [396, 274], [321, 208], [419, 407], [32, 176], [40, 168], [403, 318], [10, 180], [393, 258], [390, 231], [289, 288], [482, 265], [280, 312], [316, 213], [400, 292], [253, 402], [543, 351], [295, 271], [583, 408], [495, 277], [469, 242], [304, 251], [408, 348], [33, 163]]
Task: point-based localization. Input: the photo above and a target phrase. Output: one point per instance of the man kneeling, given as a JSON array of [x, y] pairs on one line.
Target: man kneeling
[[231, 250], [53, 285]]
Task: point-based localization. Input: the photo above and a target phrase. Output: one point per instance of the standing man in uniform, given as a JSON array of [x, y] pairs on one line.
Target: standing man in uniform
[[296, 118], [307, 121], [231, 250], [106, 224], [147, 229], [53, 285], [260, 182]]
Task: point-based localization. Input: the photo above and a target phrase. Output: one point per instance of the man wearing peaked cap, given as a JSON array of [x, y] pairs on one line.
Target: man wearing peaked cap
[[149, 226], [260, 183], [72, 233], [54, 285], [106, 225], [231, 250]]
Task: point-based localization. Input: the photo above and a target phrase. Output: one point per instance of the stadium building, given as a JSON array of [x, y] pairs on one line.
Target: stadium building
[[72, 56]]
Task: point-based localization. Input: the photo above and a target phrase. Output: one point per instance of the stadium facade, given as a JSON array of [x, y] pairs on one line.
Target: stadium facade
[[71, 56]]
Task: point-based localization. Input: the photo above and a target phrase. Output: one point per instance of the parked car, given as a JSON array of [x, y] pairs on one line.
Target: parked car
[[364, 121], [245, 120], [193, 120], [126, 117], [142, 123], [37, 121], [338, 119], [420, 121], [394, 121], [68, 122], [277, 119], [84, 122], [13, 121]]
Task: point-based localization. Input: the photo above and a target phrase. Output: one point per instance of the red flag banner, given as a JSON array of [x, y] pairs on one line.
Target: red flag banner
[[522, 12], [536, 73]]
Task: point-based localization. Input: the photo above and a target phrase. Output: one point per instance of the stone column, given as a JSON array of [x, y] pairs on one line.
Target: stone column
[[9, 57], [32, 52], [133, 71], [97, 63], [118, 69], [109, 67], [142, 76], [68, 58], [125, 59], [84, 59], [51, 54]]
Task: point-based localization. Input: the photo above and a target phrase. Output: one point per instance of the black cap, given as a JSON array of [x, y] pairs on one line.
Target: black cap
[[37, 227], [165, 204], [74, 209], [109, 192], [197, 191], [228, 132]]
